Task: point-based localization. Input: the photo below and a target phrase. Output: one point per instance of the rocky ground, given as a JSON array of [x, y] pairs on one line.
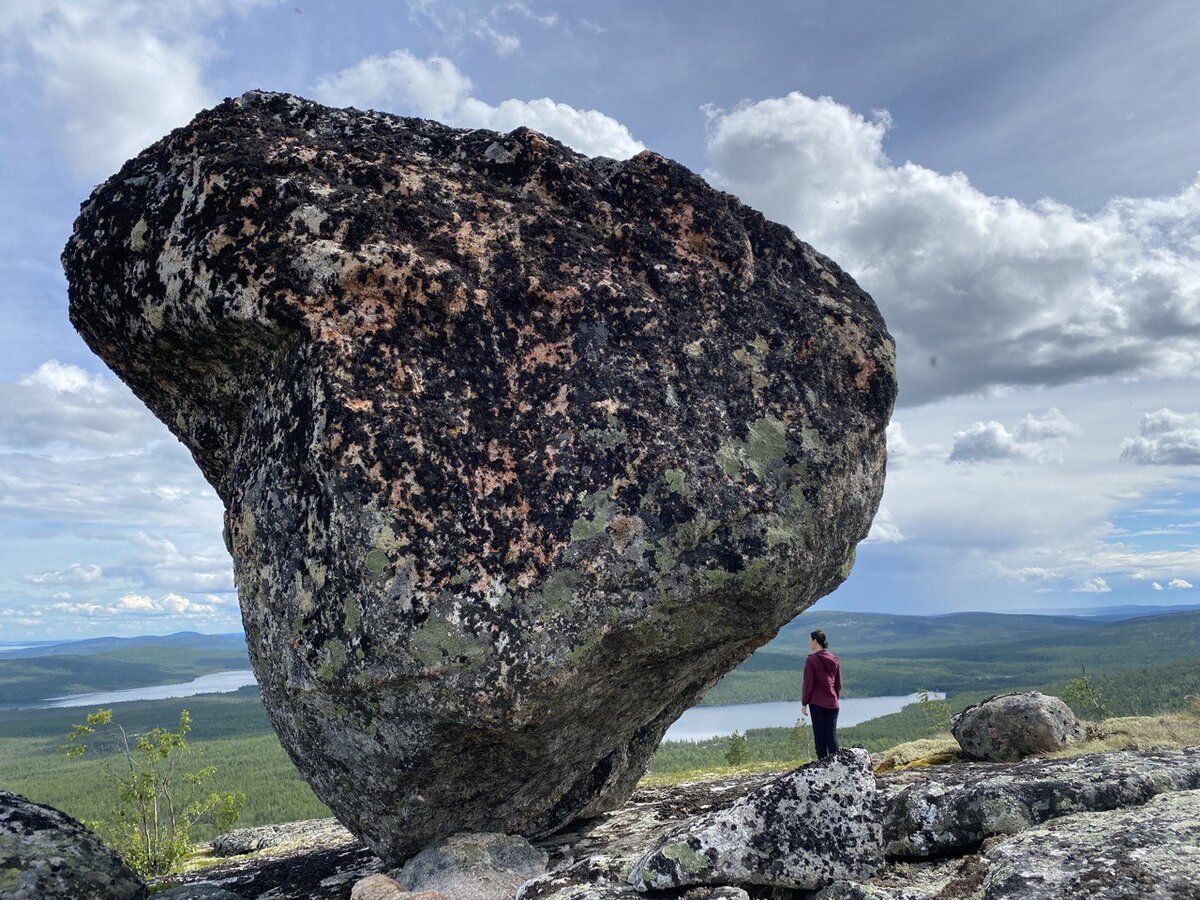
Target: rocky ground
[[1110, 825]]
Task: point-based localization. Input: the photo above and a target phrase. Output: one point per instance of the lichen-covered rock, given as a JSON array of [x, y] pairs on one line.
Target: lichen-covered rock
[[803, 830], [520, 451], [314, 832], [197, 892], [937, 812], [1013, 726], [47, 855], [1149, 852], [475, 866]]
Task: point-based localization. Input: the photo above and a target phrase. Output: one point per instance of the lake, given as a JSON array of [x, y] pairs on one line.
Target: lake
[[216, 683], [703, 722], [696, 724]]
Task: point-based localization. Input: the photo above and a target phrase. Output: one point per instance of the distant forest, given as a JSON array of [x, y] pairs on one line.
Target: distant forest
[[1141, 666]]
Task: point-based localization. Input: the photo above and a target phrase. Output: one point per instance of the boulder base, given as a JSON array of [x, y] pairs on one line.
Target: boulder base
[[520, 451]]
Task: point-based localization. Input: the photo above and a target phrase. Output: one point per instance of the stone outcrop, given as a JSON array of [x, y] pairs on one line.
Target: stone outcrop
[[475, 866], [802, 830], [1151, 852], [47, 855], [1014, 726], [520, 451], [313, 833], [945, 810], [593, 859]]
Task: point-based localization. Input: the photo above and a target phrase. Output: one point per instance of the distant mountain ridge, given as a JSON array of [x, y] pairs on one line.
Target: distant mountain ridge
[[92, 646]]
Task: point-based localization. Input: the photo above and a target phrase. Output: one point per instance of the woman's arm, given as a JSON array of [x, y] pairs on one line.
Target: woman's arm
[[837, 681], [806, 692]]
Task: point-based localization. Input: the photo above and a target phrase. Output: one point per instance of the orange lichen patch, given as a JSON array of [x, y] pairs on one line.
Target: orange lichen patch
[[558, 405], [549, 353], [250, 200], [854, 343], [359, 405], [609, 405]]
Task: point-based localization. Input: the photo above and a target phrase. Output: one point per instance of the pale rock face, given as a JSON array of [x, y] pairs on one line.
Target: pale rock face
[[475, 866], [1014, 726], [379, 887], [952, 809], [47, 855], [1151, 852], [520, 451], [803, 830]]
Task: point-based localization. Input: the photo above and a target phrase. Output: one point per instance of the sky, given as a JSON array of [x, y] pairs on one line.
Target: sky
[[1017, 184]]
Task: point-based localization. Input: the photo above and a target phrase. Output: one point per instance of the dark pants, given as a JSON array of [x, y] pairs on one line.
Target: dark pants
[[824, 730]]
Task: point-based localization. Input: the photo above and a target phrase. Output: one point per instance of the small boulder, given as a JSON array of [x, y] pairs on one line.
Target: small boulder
[[1149, 852], [1013, 726], [378, 887], [480, 866], [803, 830], [47, 855]]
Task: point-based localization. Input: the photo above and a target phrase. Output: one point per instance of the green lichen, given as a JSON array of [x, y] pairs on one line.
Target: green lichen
[[437, 639], [352, 614], [676, 481], [688, 859], [377, 562], [766, 444], [729, 460], [335, 660], [849, 563], [559, 589], [601, 509]]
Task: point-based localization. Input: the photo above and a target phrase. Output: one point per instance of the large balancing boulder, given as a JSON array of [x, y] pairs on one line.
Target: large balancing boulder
[[520, 451]]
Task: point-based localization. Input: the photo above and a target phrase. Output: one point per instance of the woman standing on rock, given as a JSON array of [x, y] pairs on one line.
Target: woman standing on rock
[[822, 687]]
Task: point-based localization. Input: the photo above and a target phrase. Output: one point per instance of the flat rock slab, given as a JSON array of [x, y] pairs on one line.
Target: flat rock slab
[[520, 451], [944, 810], [325, 833], [1149, 852], [47, 855], [802, 830]]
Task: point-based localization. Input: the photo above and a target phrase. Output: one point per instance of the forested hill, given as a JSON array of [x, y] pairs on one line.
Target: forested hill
[[886, 655]]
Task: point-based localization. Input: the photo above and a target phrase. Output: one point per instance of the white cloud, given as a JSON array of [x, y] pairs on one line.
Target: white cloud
[[74, 575], [902, 451], [980, 291], [140, 605], [435, 88], [63, 409], [1093, 586], [1166, 438], [1179, 584], [1035, 439], [399, 82], [119, 73], [884, 529], [1156, 586]]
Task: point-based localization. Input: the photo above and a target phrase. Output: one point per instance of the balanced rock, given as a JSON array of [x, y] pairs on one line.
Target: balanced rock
[[803, 830], [520, 451], [1012, 726], [47, 855]]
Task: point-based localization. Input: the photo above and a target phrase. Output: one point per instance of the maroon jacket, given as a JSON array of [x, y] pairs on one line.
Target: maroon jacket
[[822, 680]]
